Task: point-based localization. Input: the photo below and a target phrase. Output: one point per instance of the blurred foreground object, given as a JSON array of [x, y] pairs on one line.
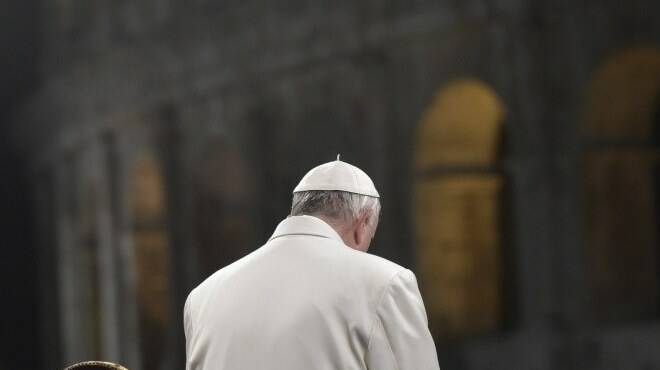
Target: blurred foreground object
[[95, 365]]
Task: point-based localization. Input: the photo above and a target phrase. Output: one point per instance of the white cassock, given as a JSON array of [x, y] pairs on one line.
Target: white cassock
[[306, 301]]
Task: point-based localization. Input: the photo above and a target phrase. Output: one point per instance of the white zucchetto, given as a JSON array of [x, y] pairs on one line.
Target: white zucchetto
[[337, 175]]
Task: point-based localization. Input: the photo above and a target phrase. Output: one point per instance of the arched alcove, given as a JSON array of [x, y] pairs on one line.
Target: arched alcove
[[152, 259], [458, 207], [620, 185]]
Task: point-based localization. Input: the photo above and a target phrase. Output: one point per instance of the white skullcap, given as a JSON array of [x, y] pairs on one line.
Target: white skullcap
[[337, 175]]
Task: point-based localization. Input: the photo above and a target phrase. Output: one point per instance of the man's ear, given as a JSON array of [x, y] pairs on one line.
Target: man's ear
[[360, 228]]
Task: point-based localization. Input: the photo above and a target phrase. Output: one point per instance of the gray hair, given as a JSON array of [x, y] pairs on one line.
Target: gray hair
[[337, 205]]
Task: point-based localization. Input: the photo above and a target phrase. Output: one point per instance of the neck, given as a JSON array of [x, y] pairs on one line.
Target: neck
[[340, 227]]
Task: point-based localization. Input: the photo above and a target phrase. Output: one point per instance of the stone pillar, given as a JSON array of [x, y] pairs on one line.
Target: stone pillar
[[65, 216], [107, 250], [49, 313], [122, 148]]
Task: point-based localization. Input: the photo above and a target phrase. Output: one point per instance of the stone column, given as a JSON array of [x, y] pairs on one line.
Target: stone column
[[65, 216], [123, 147], [44, 210], [107, 250]]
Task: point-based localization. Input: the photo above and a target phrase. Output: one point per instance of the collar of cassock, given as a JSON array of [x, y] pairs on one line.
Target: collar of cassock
[[305, 225]]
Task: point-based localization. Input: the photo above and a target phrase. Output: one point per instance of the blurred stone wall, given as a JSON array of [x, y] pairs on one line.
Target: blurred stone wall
[[234, 101]]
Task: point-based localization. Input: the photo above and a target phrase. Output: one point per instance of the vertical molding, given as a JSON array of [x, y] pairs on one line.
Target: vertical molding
[[70, 311], [48, 272], [108, 280], [170, 141], [126, 268]]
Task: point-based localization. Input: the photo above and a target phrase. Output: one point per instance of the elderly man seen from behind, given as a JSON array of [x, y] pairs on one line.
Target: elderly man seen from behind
[[310, 298]]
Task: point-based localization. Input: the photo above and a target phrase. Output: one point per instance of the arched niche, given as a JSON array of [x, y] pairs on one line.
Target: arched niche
[[222, 196], [152, 259], [458, 209], [620, 185]]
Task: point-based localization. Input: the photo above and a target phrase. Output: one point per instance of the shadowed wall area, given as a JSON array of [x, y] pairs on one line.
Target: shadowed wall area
[[19, 281], [146, 144]]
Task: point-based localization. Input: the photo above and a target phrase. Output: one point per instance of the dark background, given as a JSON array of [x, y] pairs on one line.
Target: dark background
[[169, 134]]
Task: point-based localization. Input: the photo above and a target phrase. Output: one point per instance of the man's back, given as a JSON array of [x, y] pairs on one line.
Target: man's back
[[306, 301]]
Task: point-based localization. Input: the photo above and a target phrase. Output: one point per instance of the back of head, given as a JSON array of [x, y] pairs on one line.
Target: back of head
[[337, 191], [342, 195], [335, 206]]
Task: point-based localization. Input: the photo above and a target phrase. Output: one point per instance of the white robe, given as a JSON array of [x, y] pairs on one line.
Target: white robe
[[306, 301]]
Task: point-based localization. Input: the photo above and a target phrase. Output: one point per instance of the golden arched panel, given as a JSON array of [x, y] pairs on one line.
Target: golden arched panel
[[459, 253], [620, 185], [458, 210], [461, 126], [622, 96]]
